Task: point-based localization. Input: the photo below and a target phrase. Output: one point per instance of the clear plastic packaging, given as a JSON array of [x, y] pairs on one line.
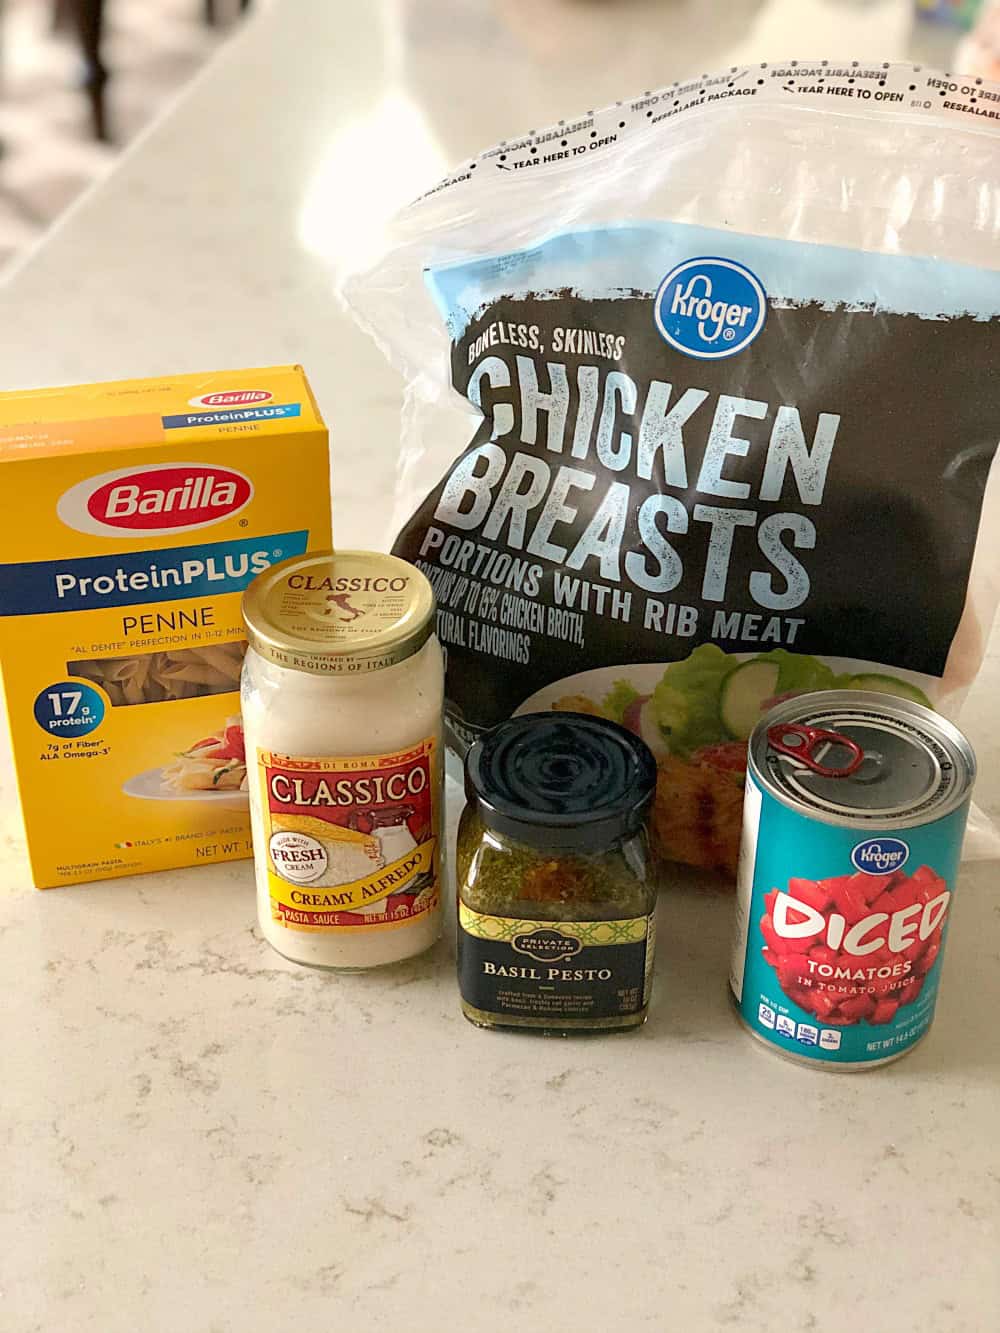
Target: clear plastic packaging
[[771, 297]]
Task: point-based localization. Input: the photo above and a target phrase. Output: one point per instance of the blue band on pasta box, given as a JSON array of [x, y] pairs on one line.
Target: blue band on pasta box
[[272, 412], [142, 576]]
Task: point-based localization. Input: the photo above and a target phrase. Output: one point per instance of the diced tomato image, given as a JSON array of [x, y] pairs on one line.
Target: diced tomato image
[[793, 971], [775, 943], [929, 957], [819, 953], [823, 1004], [917, 949], [849, 899], [815, 893], [927, 884], [849, 999], [901, 895], [884, 1011], [856, 1007], [877, 884]]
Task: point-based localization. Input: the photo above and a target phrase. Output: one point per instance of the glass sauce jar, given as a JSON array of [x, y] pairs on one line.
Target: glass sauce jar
[[342, 697], [556, 925]]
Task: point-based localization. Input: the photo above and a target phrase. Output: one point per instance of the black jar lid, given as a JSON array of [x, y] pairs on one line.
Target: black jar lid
[[561, 780]]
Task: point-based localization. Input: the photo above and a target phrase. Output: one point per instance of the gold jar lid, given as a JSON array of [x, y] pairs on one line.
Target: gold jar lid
[[338, 613]]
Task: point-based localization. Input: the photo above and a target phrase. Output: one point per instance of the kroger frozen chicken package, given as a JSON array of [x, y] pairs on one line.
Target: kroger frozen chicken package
[[703, 409]]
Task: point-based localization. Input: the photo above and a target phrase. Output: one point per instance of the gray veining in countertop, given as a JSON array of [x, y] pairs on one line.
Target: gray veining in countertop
[[201, 1138]]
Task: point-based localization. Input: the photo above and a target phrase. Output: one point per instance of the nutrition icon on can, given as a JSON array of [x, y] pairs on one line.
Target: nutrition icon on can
[[854, 815]]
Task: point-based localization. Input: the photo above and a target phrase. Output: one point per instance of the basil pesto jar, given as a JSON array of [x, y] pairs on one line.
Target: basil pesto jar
[[556, 902]]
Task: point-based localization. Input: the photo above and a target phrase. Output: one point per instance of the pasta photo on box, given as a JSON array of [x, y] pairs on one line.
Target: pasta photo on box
[[139, 511]]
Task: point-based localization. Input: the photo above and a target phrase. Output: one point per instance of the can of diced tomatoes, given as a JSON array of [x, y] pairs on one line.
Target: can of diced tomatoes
[[853, 822]]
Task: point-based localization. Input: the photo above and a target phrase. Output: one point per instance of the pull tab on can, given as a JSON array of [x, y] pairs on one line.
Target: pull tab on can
[[801, 742]]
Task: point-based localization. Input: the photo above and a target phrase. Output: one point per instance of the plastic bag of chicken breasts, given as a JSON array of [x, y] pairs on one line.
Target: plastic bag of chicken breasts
[[727, 356]]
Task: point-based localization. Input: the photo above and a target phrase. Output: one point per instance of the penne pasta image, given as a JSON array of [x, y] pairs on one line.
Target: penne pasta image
[[159, 677]]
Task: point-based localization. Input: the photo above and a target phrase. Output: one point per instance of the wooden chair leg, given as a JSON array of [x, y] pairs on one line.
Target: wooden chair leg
[[211, 12], [88, 19]]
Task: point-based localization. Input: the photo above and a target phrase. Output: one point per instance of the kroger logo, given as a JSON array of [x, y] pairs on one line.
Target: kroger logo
[[161, 498], [880, 856], [231, 398], [710, 308]]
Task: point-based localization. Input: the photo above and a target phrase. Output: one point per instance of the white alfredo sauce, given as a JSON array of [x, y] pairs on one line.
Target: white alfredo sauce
[[342, 697]]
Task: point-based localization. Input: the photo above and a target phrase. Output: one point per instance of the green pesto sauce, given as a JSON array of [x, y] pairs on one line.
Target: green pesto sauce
[[500, 877]]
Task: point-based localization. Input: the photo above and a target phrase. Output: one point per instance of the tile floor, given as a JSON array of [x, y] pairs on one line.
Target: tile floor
[[49, 155]]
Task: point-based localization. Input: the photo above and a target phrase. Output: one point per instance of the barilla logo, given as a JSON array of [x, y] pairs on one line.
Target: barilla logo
[[880, 856], [710, 308], [173, 498], [231, 398]]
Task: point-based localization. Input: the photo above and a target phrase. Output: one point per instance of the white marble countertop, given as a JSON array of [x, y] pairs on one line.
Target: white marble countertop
[[200, 1137]]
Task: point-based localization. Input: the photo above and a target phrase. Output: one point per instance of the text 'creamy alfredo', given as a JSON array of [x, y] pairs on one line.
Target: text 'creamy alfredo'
[[342, 696]]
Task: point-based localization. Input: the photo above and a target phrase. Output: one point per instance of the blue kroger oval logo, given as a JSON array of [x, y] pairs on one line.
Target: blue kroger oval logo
[[880, 856], [710, 308]]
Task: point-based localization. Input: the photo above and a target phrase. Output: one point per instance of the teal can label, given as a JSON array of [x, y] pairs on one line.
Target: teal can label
[[843, 902]]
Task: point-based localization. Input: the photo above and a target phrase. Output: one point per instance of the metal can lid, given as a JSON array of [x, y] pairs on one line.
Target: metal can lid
[[334, 613], [561, 780], [916, 766]]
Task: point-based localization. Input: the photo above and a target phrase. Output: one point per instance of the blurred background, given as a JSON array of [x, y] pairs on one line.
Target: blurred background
[[80, 79]]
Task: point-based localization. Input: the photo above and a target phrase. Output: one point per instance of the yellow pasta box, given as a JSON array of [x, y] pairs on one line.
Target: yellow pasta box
[[135, 514]]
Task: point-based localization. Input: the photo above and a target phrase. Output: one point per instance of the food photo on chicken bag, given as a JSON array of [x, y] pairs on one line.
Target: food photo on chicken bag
[[726, 354]]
